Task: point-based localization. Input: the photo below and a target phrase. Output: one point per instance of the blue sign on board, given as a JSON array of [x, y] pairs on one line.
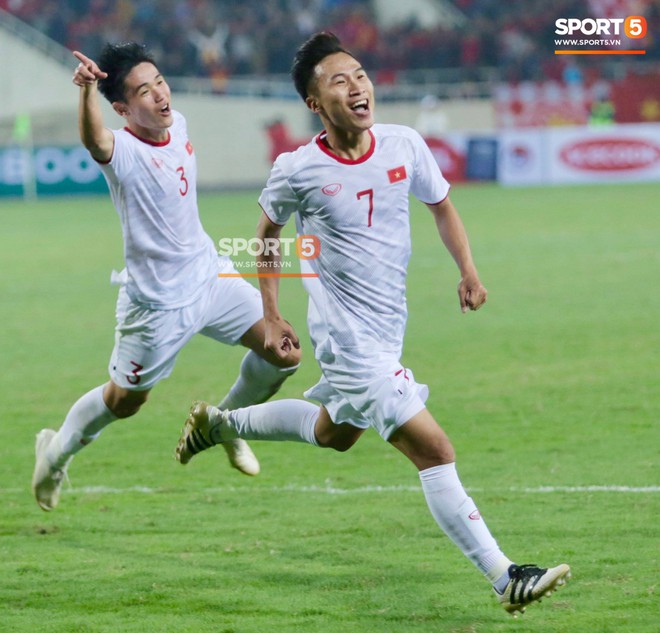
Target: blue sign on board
[[54, 170]]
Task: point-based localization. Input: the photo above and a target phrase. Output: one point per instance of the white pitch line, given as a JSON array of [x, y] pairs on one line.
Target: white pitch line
[[333, 490], [329, 489], [542, 489]]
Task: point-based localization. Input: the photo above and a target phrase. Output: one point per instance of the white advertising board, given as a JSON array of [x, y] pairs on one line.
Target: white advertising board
[[580, 154], [521, 158], [612, 153]]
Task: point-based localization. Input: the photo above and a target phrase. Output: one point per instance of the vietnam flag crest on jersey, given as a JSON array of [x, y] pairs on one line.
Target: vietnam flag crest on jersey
[[397, 174], [189, 148]]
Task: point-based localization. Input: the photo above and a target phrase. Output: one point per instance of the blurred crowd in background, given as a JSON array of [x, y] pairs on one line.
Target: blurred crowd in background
[[223, 38]]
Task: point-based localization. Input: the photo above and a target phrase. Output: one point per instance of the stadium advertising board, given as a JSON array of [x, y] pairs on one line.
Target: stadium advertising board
[[580, 154], [49, 170], [521, 158], [465, 157]]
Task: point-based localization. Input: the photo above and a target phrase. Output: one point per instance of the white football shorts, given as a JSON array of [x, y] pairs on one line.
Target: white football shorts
[[376, 392], [147, 341]]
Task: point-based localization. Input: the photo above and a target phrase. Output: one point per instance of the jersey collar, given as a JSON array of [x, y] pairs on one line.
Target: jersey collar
[[149, 142], [346, 161]]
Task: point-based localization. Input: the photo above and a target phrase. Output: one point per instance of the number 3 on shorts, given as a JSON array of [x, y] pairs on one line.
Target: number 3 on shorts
[[134, 378]]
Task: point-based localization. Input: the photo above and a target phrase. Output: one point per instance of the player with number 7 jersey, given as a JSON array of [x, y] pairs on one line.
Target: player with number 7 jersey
[[349, 187], [359, 211]]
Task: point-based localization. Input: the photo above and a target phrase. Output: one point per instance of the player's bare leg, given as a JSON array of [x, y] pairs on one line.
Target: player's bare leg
[[339, 437], [429, 448]]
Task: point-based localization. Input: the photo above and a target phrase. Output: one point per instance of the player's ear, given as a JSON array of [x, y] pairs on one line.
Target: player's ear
[[120, 108], [312, 104]]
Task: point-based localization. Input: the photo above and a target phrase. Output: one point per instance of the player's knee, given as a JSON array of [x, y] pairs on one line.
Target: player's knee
[[439, 450], [290, 361], [126, 409], [340, 445], [339, 442], [440, 453], [294, 357], [447, 454], [344, 445], [128, 403]]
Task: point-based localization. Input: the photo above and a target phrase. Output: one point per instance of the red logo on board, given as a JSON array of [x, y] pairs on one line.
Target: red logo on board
[[610, 154]]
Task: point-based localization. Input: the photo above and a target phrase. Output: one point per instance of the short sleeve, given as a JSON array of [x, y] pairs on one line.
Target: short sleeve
[[123, 159], [428, 184], [278, 200]]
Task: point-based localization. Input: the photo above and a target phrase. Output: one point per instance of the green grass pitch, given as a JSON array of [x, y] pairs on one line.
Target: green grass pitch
[[550, 393]]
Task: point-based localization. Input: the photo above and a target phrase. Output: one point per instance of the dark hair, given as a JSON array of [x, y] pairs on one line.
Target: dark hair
[[311, 53], [118, 60]]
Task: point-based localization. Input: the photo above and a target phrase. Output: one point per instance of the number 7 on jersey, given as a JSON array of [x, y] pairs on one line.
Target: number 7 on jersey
[[370, 194]]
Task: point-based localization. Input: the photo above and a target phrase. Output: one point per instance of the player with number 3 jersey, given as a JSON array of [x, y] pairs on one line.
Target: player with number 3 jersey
[[170, 289], [169, 257]]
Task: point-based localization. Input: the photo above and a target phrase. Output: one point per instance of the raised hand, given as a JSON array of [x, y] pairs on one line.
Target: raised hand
[[87, 71]]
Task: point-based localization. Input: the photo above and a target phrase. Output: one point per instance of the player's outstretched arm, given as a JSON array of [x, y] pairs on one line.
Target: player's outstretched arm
[[98, 139], [471, 293], [280, 335]]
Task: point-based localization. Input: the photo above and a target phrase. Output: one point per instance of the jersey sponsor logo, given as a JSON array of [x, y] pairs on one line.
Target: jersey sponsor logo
[[157, 162], [189, 148], [332, 190], [611, 154], [397, 174]]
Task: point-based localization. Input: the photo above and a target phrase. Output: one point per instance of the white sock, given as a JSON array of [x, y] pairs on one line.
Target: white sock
[[257, 381], [458, 516], [278, 421], [82, 425]]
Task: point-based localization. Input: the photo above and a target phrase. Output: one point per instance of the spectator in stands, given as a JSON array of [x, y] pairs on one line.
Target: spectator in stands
[[209, 37], [256, 37]]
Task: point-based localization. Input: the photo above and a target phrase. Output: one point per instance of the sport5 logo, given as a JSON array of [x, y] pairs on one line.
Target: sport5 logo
[[634, 26]]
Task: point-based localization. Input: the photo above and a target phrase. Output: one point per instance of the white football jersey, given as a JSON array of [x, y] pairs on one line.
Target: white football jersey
[[359, 211], [169, 257]]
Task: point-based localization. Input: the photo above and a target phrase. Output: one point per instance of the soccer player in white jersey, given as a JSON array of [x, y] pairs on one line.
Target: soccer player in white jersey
[[349, 187], [170, 288]]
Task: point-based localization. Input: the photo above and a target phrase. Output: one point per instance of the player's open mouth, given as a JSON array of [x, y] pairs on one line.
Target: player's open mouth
[[361, 106], [165, 109]]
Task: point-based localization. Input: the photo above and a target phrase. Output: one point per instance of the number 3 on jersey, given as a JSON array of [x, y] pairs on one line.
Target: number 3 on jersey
[[183, 188], [370, 194]]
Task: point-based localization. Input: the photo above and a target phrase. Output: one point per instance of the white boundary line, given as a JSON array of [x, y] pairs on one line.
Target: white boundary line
[[330, 489], [542, 489]]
